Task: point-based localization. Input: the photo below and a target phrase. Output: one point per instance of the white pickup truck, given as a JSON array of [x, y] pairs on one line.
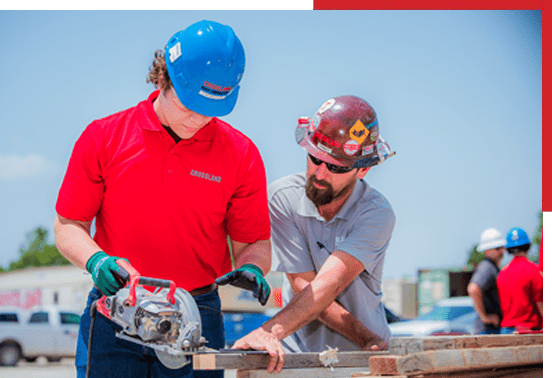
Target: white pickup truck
[[49, 331]]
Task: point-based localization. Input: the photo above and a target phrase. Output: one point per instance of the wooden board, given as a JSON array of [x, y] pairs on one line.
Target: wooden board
[[408, 357], [535, 371], [511, 372], [456, 360], [307, 373], [249, 361], [409, 345]]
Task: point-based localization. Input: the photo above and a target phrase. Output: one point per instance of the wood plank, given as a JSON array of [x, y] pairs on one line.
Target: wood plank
[[248, 361], [307, 373], [456, 360], [533, 371], [409, 345]]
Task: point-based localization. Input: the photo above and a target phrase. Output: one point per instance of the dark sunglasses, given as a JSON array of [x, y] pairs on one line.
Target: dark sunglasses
[[332, 168]]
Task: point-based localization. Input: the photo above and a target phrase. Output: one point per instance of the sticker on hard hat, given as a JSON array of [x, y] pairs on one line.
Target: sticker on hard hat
[[213, 91], [175, 52], [351, 147], [315, 121], [359, 132], [368, 150], [319, 136], [327, 105], [324, 148]]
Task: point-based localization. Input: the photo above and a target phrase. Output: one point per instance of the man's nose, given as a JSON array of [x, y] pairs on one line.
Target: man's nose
[[322, 171]]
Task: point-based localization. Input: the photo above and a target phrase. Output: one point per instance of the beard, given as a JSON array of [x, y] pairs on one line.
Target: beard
[[324, 196]]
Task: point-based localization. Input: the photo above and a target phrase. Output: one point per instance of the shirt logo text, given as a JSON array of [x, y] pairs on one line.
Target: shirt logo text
[[206, 176]]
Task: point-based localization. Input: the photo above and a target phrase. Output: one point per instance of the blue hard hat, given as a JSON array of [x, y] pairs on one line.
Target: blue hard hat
[[206, 62], [516, 237]]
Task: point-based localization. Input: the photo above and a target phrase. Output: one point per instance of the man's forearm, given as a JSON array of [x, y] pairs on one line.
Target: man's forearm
[[339, 319], [73, 240], [335, 316], [307, 305], [257, 253]]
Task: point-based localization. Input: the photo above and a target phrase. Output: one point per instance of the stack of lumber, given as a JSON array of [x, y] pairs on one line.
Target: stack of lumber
[[462, 356], [434, 356]]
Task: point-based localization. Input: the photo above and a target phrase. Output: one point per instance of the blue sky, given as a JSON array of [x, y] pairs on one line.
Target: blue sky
[[458, 95]]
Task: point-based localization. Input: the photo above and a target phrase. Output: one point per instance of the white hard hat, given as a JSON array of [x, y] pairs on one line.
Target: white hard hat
[[491, 238]]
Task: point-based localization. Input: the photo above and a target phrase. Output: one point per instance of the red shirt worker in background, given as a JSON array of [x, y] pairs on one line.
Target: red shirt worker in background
[[520, 286]]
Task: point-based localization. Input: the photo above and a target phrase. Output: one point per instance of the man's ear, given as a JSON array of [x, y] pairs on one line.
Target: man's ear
[[362, 172]]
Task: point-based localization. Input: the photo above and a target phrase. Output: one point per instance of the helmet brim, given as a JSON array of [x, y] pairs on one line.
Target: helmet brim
[[204, 105], [491, 245], [316, 151]]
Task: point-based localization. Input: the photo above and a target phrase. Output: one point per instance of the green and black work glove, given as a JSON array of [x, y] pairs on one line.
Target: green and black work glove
[[248, 277], [103, 269]]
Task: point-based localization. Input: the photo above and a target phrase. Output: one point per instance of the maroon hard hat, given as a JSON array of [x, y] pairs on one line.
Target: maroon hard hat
[[344, 131]]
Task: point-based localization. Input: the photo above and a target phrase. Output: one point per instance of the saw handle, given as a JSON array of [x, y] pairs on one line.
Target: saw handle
[[127, 272]]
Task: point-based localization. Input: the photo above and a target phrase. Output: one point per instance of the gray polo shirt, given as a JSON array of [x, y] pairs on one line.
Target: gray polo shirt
[[485, 277], [302, 240]]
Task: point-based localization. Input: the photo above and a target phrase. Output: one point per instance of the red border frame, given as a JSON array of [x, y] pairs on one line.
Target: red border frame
[[479, 5], [427, 4]]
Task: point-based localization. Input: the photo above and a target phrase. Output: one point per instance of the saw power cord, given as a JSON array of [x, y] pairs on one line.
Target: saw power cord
[[92, 321]]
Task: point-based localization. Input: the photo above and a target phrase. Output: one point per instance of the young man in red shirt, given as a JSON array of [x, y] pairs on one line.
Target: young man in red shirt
[[520, 286], [166, 182]]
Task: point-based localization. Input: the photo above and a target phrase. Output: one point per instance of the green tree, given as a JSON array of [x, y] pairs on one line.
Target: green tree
[[474, 257], [37, 252], [536, 242], [538, 234]]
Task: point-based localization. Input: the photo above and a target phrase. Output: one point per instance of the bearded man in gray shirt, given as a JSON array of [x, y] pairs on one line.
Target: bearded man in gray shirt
[[330, 231]]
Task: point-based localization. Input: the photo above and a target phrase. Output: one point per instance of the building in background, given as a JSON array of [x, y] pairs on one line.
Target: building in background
[[64, 285], [400, 296], [68, 286], [437, 284]]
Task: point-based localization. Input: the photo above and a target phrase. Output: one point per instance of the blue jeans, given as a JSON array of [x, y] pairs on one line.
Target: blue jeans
[[490, 331], [117, 358], [507, 330]]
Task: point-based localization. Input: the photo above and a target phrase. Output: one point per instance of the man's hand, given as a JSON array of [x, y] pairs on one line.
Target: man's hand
[[261, 339], [375, 344], [102, 267], [492, 319], [248, 277]]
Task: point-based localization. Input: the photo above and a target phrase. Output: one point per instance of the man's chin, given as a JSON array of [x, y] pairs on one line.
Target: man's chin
[[318, 196]]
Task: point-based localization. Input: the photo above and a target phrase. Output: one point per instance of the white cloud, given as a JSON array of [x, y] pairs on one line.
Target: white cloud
[[29, 166]]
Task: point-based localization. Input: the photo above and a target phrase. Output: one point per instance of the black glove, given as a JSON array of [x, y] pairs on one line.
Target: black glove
[[248, 277]]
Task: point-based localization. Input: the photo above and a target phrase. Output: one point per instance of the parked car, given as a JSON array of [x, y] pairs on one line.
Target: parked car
[[46, 331], [452, 316]]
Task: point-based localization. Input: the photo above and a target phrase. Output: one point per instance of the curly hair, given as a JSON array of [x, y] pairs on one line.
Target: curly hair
[[158, 73]]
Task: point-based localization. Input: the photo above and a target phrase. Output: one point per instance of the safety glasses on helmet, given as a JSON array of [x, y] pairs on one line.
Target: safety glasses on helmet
[[332, 168]]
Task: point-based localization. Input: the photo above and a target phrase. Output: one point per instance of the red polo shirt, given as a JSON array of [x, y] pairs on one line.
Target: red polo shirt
[[167, 207], [520, 286]]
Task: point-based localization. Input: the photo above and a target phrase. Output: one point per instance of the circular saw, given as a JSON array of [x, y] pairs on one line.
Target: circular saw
[[166, 320]]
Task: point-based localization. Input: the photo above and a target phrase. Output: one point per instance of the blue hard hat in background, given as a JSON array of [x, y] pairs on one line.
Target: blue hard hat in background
[[516, 237], [206, 62]]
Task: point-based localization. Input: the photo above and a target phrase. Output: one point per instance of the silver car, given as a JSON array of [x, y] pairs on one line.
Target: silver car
[[451, 316]]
